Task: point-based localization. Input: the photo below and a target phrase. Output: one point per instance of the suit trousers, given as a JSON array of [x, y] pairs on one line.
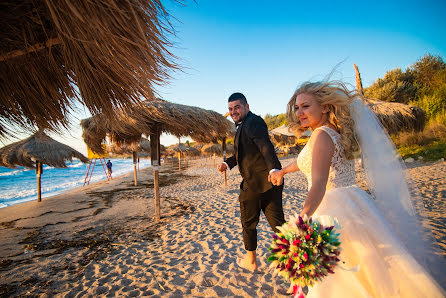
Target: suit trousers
[[251, 204]]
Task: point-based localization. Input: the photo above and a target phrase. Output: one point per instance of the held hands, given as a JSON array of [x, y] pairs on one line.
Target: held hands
[[276, 177], [222, 167]]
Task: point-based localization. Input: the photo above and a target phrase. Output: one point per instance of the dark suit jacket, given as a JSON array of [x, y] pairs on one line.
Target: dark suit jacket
[[254, 154]]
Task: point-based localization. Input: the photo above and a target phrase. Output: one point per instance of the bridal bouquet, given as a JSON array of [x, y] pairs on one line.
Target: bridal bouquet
[[305, 250]]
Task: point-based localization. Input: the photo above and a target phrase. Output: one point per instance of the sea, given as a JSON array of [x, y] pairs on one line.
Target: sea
[[20, 185]]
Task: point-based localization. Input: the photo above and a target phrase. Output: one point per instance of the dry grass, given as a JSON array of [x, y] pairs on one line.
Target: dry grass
[[433, 132]]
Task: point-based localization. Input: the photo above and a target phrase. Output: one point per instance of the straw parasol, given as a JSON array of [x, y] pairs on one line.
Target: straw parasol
[[104, 54], [281, 135], [192, 151], [397, 117], [153, 117], [211, 149], [180, 120], [143, 145], [35, 151]]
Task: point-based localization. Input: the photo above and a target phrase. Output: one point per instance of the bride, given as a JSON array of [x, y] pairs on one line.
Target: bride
[[382, 234]]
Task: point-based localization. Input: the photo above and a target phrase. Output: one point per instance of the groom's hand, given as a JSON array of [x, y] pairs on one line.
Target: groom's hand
[[222, 167]]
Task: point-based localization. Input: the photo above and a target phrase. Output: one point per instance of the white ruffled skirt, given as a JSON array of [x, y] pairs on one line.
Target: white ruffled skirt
[[386, 268]]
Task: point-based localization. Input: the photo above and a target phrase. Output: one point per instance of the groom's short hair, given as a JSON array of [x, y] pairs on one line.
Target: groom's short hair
[[238, 96]]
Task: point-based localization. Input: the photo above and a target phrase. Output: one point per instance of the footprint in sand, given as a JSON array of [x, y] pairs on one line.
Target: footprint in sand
[[205, 281]]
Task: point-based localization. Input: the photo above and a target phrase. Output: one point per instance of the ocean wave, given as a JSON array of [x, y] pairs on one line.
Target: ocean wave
[[15, 172], [21, 185], [76, 165]]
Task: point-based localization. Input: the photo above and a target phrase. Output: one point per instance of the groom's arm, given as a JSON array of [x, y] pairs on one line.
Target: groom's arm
[[231, 161], [259, 135]]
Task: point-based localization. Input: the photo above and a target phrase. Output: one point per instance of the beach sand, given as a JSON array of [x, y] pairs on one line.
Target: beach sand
[[101, 240]]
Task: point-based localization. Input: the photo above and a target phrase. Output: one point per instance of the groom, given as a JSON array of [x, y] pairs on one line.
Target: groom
[[256, 158]]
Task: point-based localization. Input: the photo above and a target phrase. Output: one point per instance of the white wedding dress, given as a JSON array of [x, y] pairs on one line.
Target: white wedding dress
[[386, 268]]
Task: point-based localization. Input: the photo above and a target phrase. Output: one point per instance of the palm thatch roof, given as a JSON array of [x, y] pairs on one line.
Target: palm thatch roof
[[180, 120], [397, 117], [281, 135], [38, 147], [212, 149], [142, 146], [183, 149], [104, 53]]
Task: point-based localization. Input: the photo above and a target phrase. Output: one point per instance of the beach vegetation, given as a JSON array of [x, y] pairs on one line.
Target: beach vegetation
[[423, 84], [275, 121], [429, 144]]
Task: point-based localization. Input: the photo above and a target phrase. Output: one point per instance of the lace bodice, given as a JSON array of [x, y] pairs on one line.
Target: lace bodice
[[342, 170]]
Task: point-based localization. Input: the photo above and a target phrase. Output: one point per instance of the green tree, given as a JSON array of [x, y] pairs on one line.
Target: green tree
[[429, 71], [396, 86], [423, 84], [275, 121]]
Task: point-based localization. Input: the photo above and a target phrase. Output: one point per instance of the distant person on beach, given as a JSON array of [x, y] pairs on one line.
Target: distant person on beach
[[109, 168], [381, 237], [256, 158]]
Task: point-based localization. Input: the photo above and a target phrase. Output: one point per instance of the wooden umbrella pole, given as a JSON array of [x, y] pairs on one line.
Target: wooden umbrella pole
[[179, 161], [223, 145], [155, 161], [39, 173], [134, 167], [156, 189], [358, 79]]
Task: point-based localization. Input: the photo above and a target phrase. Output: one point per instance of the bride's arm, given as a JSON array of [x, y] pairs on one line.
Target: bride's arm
[[276, 177], [322, 154]]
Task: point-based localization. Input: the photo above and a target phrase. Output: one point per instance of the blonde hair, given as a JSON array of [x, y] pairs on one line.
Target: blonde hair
[[336, 95]]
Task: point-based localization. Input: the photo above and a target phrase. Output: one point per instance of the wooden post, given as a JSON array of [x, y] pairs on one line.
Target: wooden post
[[358, 80], [213, 157], [39, 170], [134, 167], [156, 161], [156, 190], [179, 161], [223, 145]]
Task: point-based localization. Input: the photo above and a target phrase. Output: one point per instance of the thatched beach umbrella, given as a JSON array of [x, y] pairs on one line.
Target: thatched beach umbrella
[[35, 151], [281, 135], [102, 53], [212, 149], [192, 151], [202, 125], [178, 148], [143, 145], [152, 118], [397, 117]]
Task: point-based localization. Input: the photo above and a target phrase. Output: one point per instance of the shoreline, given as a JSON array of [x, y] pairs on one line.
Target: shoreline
[[104, 242], [63, 191]]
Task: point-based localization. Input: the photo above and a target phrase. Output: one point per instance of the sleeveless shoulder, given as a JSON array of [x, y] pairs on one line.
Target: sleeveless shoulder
[[342, 171]]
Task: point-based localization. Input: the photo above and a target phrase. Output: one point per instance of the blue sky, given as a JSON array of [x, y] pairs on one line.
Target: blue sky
[[265, 49]]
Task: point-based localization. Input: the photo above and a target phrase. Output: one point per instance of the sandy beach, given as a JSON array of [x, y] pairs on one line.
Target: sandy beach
[[101, 240]]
